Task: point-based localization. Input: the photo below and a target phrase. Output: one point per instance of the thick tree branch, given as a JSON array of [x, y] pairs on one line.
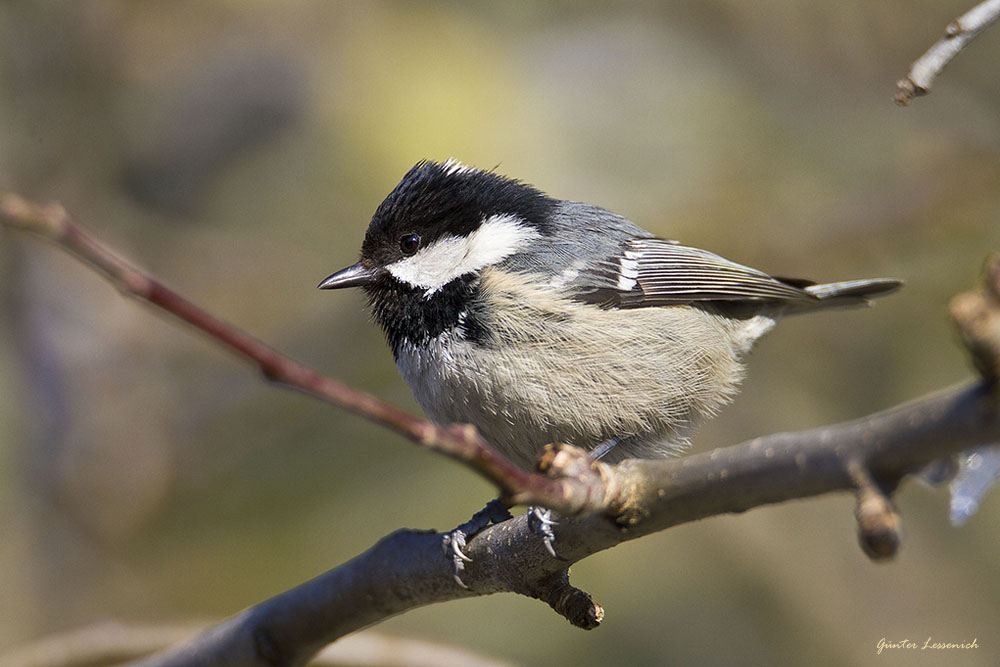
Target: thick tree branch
[[407, 570], [957, 35], [868, 456]]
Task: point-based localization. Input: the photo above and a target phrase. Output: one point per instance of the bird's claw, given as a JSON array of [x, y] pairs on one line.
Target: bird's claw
[[454, 542], [541, 520]]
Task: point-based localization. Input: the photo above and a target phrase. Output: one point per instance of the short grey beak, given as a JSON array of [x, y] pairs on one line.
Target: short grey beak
[[353, 276]]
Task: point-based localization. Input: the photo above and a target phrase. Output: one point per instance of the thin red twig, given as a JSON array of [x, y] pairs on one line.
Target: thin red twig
[[459, 441]]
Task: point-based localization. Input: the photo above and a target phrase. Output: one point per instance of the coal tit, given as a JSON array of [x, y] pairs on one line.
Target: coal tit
[[539, 320]]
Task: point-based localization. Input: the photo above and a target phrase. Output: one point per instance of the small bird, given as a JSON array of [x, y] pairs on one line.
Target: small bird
[[539, 320]]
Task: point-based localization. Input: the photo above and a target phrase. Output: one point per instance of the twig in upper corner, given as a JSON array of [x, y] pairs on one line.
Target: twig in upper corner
[[957, 35]]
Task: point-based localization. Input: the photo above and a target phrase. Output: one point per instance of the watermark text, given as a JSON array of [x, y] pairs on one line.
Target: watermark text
[[929, 644]]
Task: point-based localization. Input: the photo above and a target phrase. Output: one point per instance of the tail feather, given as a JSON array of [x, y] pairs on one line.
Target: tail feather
[[852, 292]]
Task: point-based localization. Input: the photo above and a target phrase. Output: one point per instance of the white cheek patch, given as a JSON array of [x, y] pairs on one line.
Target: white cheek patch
[[450, 257]]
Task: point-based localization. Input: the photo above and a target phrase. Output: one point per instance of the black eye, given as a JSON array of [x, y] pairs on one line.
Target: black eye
[[409, 243]]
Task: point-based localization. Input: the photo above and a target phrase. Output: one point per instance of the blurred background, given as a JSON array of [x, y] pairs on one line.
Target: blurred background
[[237, 151]]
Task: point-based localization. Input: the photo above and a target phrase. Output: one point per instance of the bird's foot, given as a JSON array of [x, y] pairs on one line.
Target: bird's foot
[[541, 520], [496, 511]]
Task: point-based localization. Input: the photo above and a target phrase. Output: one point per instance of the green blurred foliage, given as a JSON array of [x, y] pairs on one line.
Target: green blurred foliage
[[237, 150]]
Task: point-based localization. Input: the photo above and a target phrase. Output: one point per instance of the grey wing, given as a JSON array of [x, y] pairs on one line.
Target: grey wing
[[658, 272]]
